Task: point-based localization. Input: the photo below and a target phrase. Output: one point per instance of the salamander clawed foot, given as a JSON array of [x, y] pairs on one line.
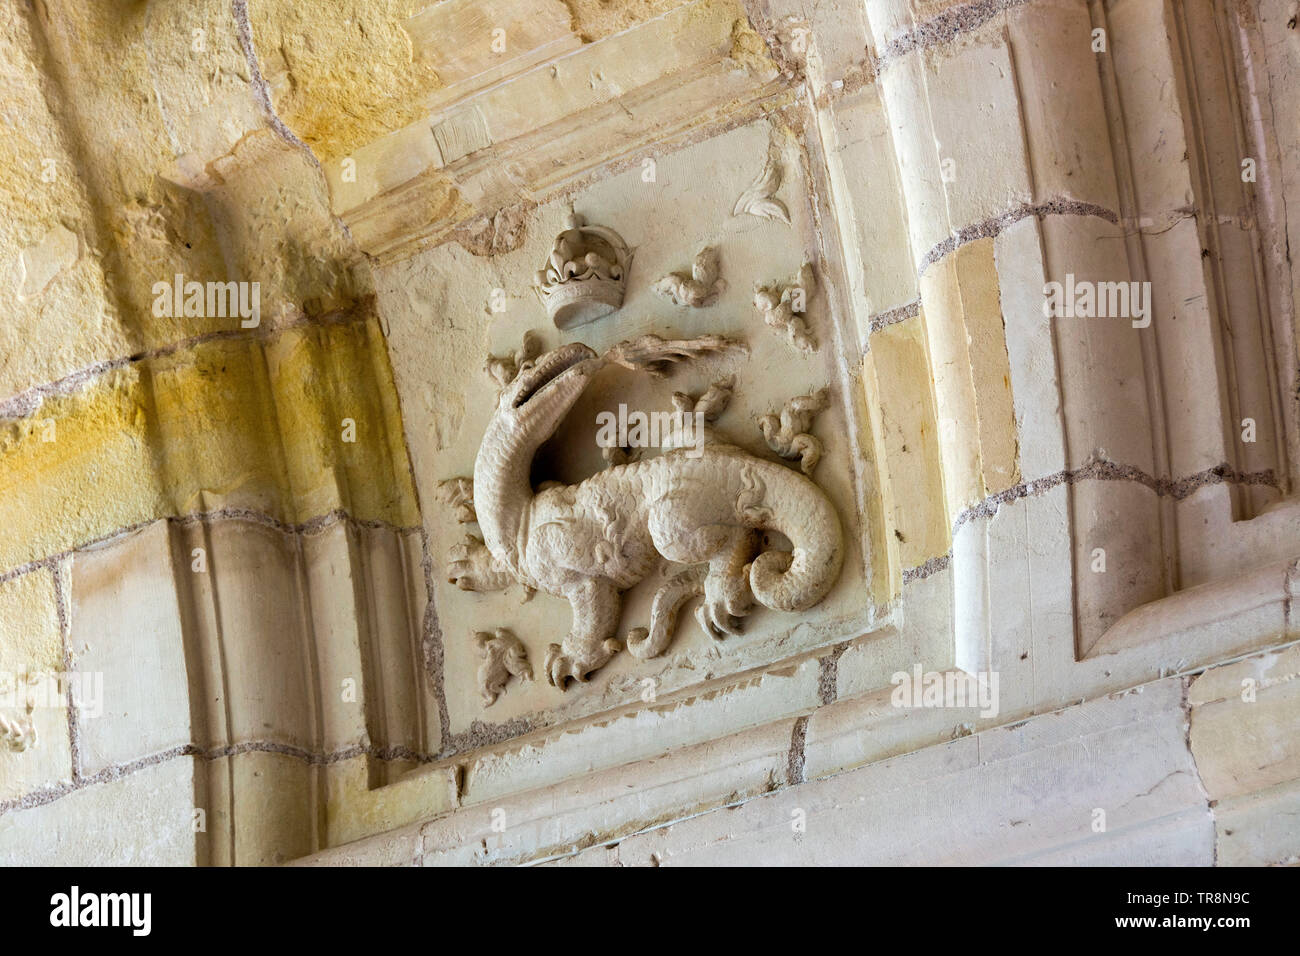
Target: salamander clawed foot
[[561, 667], [471, 567], [715, 620]]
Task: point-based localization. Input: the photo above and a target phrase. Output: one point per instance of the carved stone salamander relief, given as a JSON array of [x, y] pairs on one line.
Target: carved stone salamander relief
[[703, 507]]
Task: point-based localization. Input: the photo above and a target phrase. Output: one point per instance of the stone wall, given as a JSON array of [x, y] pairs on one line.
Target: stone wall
[[236, 624]]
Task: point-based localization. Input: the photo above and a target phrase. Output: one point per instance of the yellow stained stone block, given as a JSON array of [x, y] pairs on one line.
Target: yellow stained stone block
[[29, 624], [353, 810], [888, 577], [322, 60], [990, 365], [962, 317], [339, 422], [80, 467], [240, 423], [49, 271], [597, 19], [896, 375], [214, 424]]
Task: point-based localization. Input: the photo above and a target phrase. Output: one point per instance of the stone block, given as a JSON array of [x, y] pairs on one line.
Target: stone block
[[126, 626]]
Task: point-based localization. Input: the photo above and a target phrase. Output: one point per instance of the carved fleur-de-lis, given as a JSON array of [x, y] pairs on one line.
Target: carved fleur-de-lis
[[504, 656], [697, 288], [789, 433], [504, 369]]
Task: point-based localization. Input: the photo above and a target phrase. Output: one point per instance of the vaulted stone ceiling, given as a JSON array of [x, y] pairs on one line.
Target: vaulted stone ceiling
[[1016, 271]]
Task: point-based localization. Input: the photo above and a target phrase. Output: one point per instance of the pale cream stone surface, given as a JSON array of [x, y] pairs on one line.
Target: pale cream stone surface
[[1104, 403], [557, 821], [873, 233], [1153, 116], [332, 595], [912, 129], [1243, 720], [142, 818], [1258, 829], [1181, 300], [974, 102], [561, 819], [868, 729], [1244, 717], [888, 19], [396, 596], [1273, 64], [980, 798], [921, 634], [1030, 597], [1061, 102], [836, 37], [266, 684], [1035, 384], [1097, 755], [644, 732], [126, 625]]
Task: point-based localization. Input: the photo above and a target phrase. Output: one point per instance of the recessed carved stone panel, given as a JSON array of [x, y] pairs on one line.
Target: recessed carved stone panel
[[668, 222]]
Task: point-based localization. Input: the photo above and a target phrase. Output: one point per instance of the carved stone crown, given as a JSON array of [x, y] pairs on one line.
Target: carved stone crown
[[586, 275]]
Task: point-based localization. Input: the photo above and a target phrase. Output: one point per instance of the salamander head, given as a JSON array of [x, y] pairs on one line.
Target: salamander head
[[533, 405]]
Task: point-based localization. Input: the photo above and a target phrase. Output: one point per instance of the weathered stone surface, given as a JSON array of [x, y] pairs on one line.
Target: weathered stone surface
[[255, 528], [126, 625], [970, 800], [152, 814]]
